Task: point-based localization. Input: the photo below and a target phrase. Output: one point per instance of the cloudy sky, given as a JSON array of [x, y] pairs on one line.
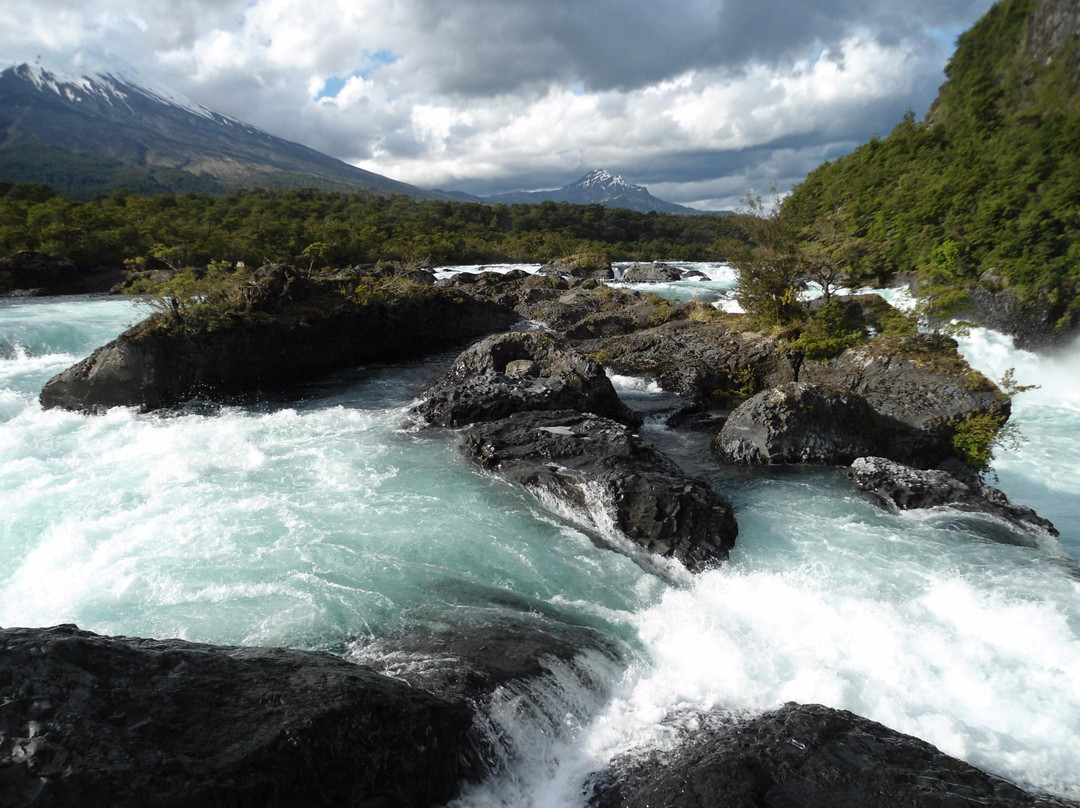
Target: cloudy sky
[[701, 100]]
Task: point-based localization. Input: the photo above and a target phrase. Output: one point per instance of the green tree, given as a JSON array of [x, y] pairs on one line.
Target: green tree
[[768, 267]]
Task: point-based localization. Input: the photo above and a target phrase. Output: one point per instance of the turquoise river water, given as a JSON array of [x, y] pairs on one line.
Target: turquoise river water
[[321, 518]]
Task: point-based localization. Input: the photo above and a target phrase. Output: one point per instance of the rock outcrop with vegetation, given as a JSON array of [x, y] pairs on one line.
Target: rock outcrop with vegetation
[[280, 327]]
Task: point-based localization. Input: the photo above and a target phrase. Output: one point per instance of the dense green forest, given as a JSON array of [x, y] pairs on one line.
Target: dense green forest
[[317, 228], [986, 188]]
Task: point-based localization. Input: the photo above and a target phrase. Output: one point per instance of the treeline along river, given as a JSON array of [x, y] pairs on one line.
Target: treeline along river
[[321, 518]]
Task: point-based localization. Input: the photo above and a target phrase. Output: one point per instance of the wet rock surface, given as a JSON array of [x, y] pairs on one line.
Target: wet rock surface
[[1034, 324], [516, 371], [601, 474], [804, 756], [903, 487], [87, 720], [800, 423]]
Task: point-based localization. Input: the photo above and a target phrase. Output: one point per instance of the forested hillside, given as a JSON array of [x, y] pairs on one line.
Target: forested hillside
[[317, 228], [987, 188]]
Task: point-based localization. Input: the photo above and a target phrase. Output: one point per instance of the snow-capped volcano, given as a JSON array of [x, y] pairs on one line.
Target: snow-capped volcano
[[113, 86], [602, 178], [598, 187], [54, 123]]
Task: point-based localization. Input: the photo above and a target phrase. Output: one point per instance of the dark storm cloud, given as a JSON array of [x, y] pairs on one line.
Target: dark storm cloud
[[704, 99], [487, 47]]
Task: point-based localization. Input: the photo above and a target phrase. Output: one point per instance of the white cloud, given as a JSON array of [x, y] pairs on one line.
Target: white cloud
[[688, 96]]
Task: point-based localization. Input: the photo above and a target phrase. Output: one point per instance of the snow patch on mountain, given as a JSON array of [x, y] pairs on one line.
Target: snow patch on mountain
[[603, 178], [114, 86]]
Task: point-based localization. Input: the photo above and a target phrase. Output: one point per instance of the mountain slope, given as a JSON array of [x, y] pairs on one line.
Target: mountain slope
[[987, 188], [597, 187], [55, 127]]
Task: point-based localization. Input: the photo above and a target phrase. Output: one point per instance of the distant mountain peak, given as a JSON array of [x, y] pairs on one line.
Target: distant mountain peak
[[603, 178], [58, 124], [598, 187], [113, 85]]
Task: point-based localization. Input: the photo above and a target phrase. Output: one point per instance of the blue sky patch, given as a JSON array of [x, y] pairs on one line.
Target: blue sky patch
[[373, 61]]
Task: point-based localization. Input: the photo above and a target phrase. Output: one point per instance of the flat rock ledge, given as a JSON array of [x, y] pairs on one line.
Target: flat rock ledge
[[903, 487], [87, 720], [600, 474], [801, 756], [517, 371]]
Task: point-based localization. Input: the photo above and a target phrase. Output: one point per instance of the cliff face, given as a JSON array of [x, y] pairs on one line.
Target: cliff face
[[1053, 27]]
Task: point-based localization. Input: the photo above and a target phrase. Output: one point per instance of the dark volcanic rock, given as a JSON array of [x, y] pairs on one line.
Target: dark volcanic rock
[[123, 722], [581, 309], [905, 487], [805, 756], [583, 265], [279, 329], [800, 423], [656, 272], [35, 273], [701, 362], [920, 387], [513, 372], [1034, 324], [470, 663], [530, 661], [601, 474]]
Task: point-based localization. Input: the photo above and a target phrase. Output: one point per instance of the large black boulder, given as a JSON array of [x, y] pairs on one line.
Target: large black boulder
[[800, 423], [804, 756], [87, 720], [516, 371], [604, 476]]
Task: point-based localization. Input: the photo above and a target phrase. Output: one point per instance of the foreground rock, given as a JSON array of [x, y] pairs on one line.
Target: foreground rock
[[532, 663], [599, 473], [280, 328], [904, 487], [116, 721], [801, 756], [800, 423], [513, 372]]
